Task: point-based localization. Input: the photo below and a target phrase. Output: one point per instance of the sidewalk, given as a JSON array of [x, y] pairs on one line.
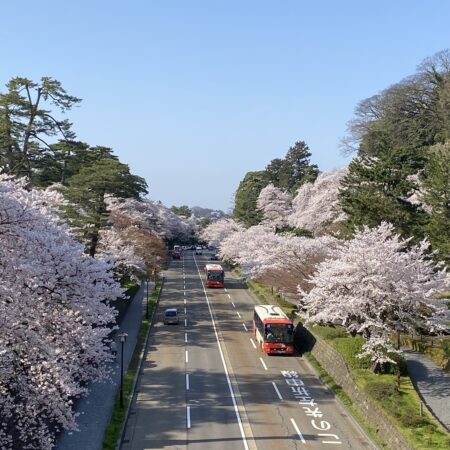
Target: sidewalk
[[432, 384], [95, 409]]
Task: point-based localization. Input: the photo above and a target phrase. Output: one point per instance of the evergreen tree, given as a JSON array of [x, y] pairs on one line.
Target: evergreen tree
[[296, 169], [86, 191], [245, 207], [436, 187], [273, 171], [182, 210], [26, 122], [379, 188], [65, 159]]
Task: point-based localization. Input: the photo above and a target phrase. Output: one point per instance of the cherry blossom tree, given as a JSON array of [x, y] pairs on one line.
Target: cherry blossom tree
[[316, 206], [54, 318], [134, 240], [275, 205], [217, 231], [375, 282], [283, 260]]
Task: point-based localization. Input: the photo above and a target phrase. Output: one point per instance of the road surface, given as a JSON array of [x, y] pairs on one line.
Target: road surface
[[206, 385]]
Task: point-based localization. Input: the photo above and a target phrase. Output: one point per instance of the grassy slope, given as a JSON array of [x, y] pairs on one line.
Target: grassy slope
[[402, 406]]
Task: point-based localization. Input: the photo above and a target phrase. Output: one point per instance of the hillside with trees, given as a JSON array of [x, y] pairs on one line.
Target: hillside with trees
[[365, 246]]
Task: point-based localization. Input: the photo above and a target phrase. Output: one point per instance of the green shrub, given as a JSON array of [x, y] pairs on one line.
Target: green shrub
[[446, 348], [381, 390], [411, 419], [389, 368]]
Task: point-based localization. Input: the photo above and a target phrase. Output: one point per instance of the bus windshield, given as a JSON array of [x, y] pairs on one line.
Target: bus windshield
[[215, 275], [279, 332]]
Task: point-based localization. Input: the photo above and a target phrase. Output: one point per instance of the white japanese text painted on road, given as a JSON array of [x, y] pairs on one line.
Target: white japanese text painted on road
[[309, 406]]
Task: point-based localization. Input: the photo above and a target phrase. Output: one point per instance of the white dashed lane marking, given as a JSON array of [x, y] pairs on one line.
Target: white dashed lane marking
[[300, 435], [277, 391], [263, 363]]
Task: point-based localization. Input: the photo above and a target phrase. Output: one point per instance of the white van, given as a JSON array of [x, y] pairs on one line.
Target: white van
[[171, 316]]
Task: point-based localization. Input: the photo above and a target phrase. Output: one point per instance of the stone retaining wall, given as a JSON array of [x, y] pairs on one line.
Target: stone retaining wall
[[334, 364]]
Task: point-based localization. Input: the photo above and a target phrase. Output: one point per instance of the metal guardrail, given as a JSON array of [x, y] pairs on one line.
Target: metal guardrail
[[138, 371]]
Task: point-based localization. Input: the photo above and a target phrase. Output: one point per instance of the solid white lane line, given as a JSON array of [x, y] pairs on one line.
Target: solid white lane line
[[300, 435], [238, 315], [187, 356], [188, 416], [185, 322], [263, 363], [277, 391], [185, 337], [187, 381], [253, 342], [245, 327], [230, 386], [229, 296], [234, 306]]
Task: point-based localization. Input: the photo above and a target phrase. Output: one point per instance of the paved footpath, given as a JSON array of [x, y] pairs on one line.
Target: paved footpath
[[432, 383], [95, 409]]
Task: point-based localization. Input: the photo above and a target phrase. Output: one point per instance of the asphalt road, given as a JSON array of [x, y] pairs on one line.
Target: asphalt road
[[205, 384]]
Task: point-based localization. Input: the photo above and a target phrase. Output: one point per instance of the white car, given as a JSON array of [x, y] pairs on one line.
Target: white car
[[198, 250]]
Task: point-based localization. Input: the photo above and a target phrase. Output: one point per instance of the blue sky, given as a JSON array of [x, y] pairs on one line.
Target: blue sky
[[194, 94]]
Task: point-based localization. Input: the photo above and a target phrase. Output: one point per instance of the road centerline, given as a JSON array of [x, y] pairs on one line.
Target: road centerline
[[230, 387]]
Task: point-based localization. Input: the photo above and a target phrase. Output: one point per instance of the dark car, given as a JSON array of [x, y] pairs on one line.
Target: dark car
[[214, 257], [176, 255]]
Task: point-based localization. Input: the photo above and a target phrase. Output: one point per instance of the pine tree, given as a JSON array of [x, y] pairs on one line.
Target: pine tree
[[436, 187], [87, 212], [27, 122], [378, 189], [245, 207], [296, 168]]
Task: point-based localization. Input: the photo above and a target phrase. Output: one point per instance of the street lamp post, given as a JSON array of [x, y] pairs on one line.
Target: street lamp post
[[123, 338], [146, 310], [398, 329]]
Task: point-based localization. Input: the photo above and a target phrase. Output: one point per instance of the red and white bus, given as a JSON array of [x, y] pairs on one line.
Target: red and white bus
[[273, 329], [214, 275]]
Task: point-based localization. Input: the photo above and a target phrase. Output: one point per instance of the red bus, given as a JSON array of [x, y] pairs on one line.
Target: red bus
[[273, 329], [214, 275]]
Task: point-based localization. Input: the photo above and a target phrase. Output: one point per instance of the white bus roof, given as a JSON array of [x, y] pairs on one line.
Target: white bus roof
[[270, 312], [213, 267]]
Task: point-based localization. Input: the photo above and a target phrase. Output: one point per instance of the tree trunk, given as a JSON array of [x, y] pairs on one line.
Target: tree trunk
[[93, 244]]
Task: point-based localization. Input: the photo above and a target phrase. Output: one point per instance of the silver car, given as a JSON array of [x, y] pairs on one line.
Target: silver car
[[171, 316]]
